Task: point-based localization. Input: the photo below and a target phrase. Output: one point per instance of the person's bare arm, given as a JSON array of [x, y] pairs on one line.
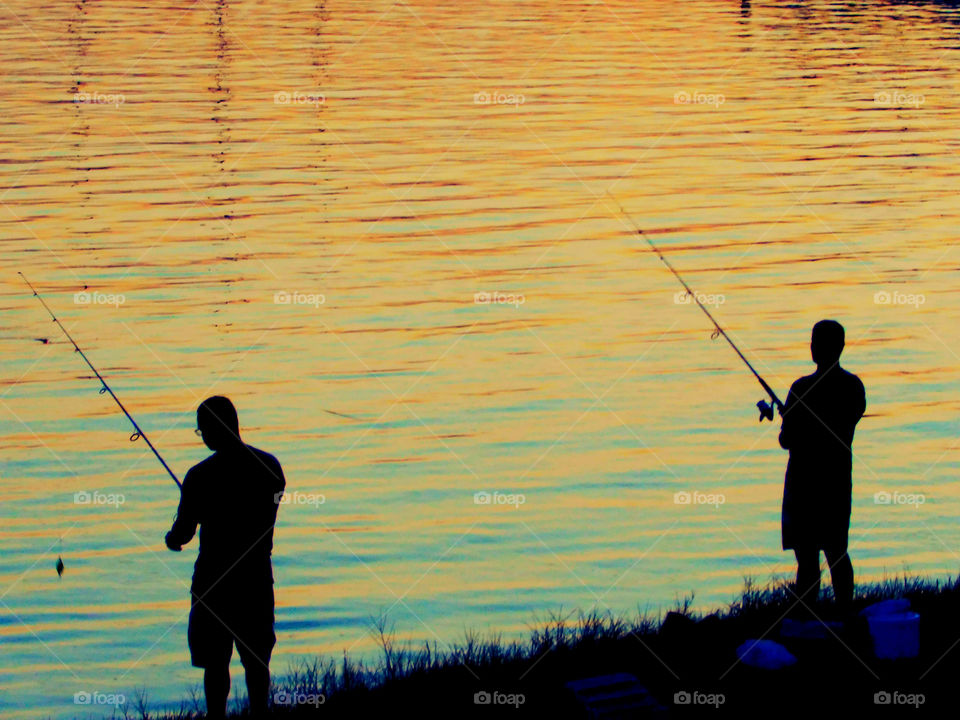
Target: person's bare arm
[[787, 431], [861, 399], [185, 524]]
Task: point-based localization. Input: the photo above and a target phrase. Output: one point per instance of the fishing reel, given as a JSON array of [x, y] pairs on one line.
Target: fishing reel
[[766, 410]]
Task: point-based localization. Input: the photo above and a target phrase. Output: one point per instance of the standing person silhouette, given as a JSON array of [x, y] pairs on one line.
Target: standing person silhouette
[[233, 496], [819, 418]]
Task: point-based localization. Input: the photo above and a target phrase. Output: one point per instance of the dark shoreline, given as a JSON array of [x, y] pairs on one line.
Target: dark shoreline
[[682, 652]]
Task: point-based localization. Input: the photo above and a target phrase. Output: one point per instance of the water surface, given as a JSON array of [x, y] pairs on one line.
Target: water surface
[[188, 162]]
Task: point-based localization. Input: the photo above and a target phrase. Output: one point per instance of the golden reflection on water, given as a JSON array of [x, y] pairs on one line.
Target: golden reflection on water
[[793, 163]]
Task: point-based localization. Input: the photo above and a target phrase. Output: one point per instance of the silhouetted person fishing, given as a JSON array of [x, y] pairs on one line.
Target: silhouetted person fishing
[[233, 496], [819, 418]]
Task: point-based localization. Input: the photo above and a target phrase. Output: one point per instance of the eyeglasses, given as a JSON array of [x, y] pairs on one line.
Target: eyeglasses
[[198, 432]]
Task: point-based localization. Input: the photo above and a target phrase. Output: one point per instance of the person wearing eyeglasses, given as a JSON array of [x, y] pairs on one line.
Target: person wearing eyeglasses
[[233, 497]]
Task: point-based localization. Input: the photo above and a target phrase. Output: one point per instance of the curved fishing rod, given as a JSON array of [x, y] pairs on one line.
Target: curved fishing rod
[[766, 409], [138, 432]]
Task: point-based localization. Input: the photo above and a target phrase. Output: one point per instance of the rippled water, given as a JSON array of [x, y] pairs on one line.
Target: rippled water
[[381, 163]]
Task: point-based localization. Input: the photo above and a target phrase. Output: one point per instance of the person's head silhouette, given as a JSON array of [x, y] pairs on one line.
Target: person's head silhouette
[[826, 343], [218, 423]]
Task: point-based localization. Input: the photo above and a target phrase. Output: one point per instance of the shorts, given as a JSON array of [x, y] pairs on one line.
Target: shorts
[[221, 618]]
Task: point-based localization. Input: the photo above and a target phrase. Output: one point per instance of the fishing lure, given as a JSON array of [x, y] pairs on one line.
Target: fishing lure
[[105, 388]]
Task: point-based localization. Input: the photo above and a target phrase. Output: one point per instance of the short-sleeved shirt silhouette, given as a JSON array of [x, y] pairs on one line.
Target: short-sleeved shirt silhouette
[[819, 418], [233, 496]]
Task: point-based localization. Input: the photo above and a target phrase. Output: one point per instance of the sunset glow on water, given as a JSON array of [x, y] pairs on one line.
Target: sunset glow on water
[[398, 212]]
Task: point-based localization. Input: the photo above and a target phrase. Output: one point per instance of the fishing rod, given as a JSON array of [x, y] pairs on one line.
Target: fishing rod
[[137, 430], [766, 409], [105, 388]]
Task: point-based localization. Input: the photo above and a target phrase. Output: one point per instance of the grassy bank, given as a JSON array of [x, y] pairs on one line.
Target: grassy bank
[[680, 651]]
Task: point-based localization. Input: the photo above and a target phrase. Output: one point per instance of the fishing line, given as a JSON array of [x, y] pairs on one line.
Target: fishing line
[[105, 388]]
